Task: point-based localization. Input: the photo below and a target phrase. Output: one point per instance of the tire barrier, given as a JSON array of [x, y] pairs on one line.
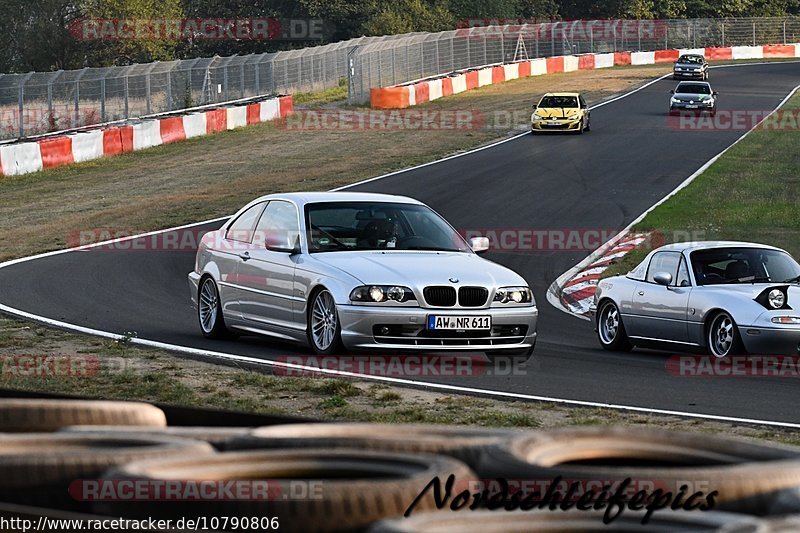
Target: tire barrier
[[221, 438], [18, 415], [758, 479], [465, 444], [355, 488], [356, 476], [414, 93], [54, 151], [572, 521], [38, 468]]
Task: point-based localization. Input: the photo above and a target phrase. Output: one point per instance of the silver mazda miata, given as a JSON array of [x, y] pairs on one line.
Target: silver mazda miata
[[725, 297], [354, 270]]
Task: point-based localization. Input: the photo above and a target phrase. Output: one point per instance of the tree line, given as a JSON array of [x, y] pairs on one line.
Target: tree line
[[44, 35]]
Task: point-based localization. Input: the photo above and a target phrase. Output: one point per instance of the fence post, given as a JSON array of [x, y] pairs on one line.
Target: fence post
[[102, 99], [241, 80], [694, 35], [394, 64], [502, 47], [169, 90], [553, 39], [591, 38], [639, 35], [225, 82], [21, 105], [50, 100], [754, 33], [784, 32], [127, 92], [257, 78], [147, 91], [723, 35]]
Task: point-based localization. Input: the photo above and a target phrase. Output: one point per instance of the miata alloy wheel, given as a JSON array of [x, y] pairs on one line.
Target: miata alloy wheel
[[723, 337], [324, 329], [610, 329]]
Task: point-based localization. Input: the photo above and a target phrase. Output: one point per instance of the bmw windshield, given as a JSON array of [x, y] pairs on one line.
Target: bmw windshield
[[744, 265], [343, 226]]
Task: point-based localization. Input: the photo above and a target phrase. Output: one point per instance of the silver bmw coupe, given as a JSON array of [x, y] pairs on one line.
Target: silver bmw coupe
[[346, 271], [725, 297]]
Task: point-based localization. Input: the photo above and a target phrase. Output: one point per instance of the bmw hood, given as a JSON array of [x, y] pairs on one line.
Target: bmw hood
[[421, 268]]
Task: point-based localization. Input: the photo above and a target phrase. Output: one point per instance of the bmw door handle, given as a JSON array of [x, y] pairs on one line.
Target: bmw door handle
[[641, 293], [245, 256]]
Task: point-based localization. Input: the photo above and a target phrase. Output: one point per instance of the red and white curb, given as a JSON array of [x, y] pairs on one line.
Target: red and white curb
[[578, 292]]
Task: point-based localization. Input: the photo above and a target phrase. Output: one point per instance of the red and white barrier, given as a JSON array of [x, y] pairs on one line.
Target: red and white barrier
[[50, 152], [402, 96]]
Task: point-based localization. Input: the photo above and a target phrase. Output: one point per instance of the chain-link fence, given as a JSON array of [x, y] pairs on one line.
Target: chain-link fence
[[41, 102], [412, 57]]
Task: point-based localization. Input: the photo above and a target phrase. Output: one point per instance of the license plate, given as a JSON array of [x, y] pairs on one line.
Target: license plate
[[453, 322], [691, 107], [554, 123]]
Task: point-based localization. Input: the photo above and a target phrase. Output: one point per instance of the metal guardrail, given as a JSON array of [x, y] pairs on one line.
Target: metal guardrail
[[41, 102]]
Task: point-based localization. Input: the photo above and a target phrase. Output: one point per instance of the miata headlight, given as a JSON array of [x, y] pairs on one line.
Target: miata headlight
[[776, 298], [516, 295], [381, 293]]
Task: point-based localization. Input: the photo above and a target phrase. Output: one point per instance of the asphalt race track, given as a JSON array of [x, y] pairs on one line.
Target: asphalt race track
[[602, 180]]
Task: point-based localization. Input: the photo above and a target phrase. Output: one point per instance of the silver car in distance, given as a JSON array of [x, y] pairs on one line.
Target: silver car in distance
[[725, 297], [346, 271]]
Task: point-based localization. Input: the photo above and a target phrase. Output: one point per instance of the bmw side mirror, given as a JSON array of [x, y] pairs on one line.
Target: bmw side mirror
[[282, 242], [672, 91], [663, 278], [479, 244], [715, 93]]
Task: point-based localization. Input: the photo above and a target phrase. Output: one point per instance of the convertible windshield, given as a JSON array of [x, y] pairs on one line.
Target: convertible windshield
[[342, 226], [693, 88], [744, 265], [691, 59], [559, 101]]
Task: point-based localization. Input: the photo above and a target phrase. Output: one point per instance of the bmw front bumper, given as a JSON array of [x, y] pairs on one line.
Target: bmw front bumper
[[404, 328], [562, 125], [688, 74]]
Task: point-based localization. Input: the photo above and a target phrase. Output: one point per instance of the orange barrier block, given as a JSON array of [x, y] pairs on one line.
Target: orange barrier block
[[622, 58], [117, 140], [472, 79], [56, 152], [498, 75], [555, 64], [286, 105], [422, 92], [216, 120], [719, 54], [666, 56], [171, 129], [778, 50], [524, 69], [586, 62], [253, 113], [447, 86], [389, 97]]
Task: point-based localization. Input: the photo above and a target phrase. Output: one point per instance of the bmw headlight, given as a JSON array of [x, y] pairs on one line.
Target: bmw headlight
[[513, 295], [776, 298], [381, 294], [674, 100]]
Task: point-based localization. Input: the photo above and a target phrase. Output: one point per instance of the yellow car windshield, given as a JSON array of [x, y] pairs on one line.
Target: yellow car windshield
[[559, 101]]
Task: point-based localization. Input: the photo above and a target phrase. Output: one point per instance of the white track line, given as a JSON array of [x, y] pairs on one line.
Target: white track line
[[397, 381]]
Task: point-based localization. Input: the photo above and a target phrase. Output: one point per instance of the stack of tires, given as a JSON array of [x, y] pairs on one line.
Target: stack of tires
[[365, 477]]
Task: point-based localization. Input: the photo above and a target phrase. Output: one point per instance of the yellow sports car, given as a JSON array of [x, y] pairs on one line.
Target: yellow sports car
[[561, 112]]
